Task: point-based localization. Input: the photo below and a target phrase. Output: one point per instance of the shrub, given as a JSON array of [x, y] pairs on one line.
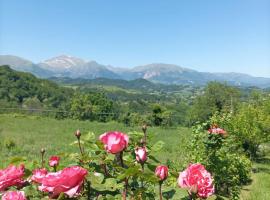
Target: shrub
[[217, 151]]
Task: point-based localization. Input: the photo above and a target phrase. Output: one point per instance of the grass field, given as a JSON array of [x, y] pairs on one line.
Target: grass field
[[32, 133]]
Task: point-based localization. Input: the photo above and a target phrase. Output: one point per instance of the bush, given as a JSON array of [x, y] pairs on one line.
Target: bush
[[218, 152]]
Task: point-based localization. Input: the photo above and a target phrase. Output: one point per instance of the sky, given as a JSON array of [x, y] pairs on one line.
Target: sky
[[204, 35]]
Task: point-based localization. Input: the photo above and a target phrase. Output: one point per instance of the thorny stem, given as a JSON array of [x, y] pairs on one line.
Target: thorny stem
[[142, 164], [144, 128], [88, 190], [42, 157], [103, 165], [79, 142], [190, 196], [160, 190], [124, 194]]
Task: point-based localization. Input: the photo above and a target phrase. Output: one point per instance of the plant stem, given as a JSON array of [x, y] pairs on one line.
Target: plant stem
[[190, 196], [124, 194], [103, 165], [160, 190], [79, 142], [42, 160], [54, 168], [88, 190], [142, 164]]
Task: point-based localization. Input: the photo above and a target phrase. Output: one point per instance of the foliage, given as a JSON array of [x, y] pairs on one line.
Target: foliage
[[220, 155], [19, 87], [217, 97]]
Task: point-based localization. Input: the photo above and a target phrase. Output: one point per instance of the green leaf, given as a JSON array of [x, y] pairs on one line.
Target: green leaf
[[95, 178], [17, 160], [61, 196], [157, 146], [90, 137], [131, 171]]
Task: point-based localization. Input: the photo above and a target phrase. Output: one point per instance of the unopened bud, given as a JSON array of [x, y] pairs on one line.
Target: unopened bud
[[42, 150], [142, 141], [144, 128], [78, 134]]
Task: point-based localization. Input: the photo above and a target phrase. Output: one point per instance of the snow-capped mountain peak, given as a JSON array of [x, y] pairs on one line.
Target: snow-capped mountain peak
[[62, 62]]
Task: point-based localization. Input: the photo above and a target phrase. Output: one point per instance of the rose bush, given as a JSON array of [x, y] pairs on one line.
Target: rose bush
[[116, 166], [222, 156]]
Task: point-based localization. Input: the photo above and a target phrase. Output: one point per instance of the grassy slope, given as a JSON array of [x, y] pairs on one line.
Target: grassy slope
[[260, 187], [32, 133]]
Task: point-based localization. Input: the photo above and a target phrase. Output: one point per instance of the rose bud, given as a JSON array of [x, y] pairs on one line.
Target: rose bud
[[114, 142], [144, 128], [162, 172], [14, 195], [197, 180], [42, 150], [141, 154], [54, 161], [78, 134]]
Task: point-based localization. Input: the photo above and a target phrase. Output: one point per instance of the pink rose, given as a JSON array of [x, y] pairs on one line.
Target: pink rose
[[11, 176], [54, 161], [38, 175], [197, 180], [217, 130], [68, 181], [14, 195], [114, 142], [161, 172], [141, 154]]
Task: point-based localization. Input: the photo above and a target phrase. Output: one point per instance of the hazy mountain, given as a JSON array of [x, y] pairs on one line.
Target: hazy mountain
[[24, 65], [69, 66]]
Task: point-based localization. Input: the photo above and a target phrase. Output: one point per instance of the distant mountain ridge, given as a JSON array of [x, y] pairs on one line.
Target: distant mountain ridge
[[73, 67]]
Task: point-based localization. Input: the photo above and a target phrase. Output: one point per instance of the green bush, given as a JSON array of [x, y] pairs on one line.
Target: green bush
[[218, 152]]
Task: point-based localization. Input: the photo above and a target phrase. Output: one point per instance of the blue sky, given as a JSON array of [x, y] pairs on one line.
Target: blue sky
[[205, 35]]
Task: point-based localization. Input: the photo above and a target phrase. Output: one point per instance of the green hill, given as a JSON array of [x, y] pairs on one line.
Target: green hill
[[25, 90]]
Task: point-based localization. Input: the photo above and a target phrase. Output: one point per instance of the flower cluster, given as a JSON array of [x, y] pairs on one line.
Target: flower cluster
[[70, 180], [217, 130]]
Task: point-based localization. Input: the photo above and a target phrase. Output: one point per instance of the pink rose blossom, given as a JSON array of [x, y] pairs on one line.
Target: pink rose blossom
[[114, 142], [54, 161], [14, 195], [217, 130], [141, 154], [11, 176], [38, 175], [197, 180], [68, 181], [161, 172]]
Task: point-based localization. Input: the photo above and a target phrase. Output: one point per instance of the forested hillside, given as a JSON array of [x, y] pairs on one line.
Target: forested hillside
[[24, 89], [131, 102]]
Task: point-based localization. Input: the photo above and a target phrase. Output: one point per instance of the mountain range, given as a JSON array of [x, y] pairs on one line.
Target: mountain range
[[73, 67]]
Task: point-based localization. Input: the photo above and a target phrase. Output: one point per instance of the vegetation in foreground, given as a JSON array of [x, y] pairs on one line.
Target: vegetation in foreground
[[55, 136]]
